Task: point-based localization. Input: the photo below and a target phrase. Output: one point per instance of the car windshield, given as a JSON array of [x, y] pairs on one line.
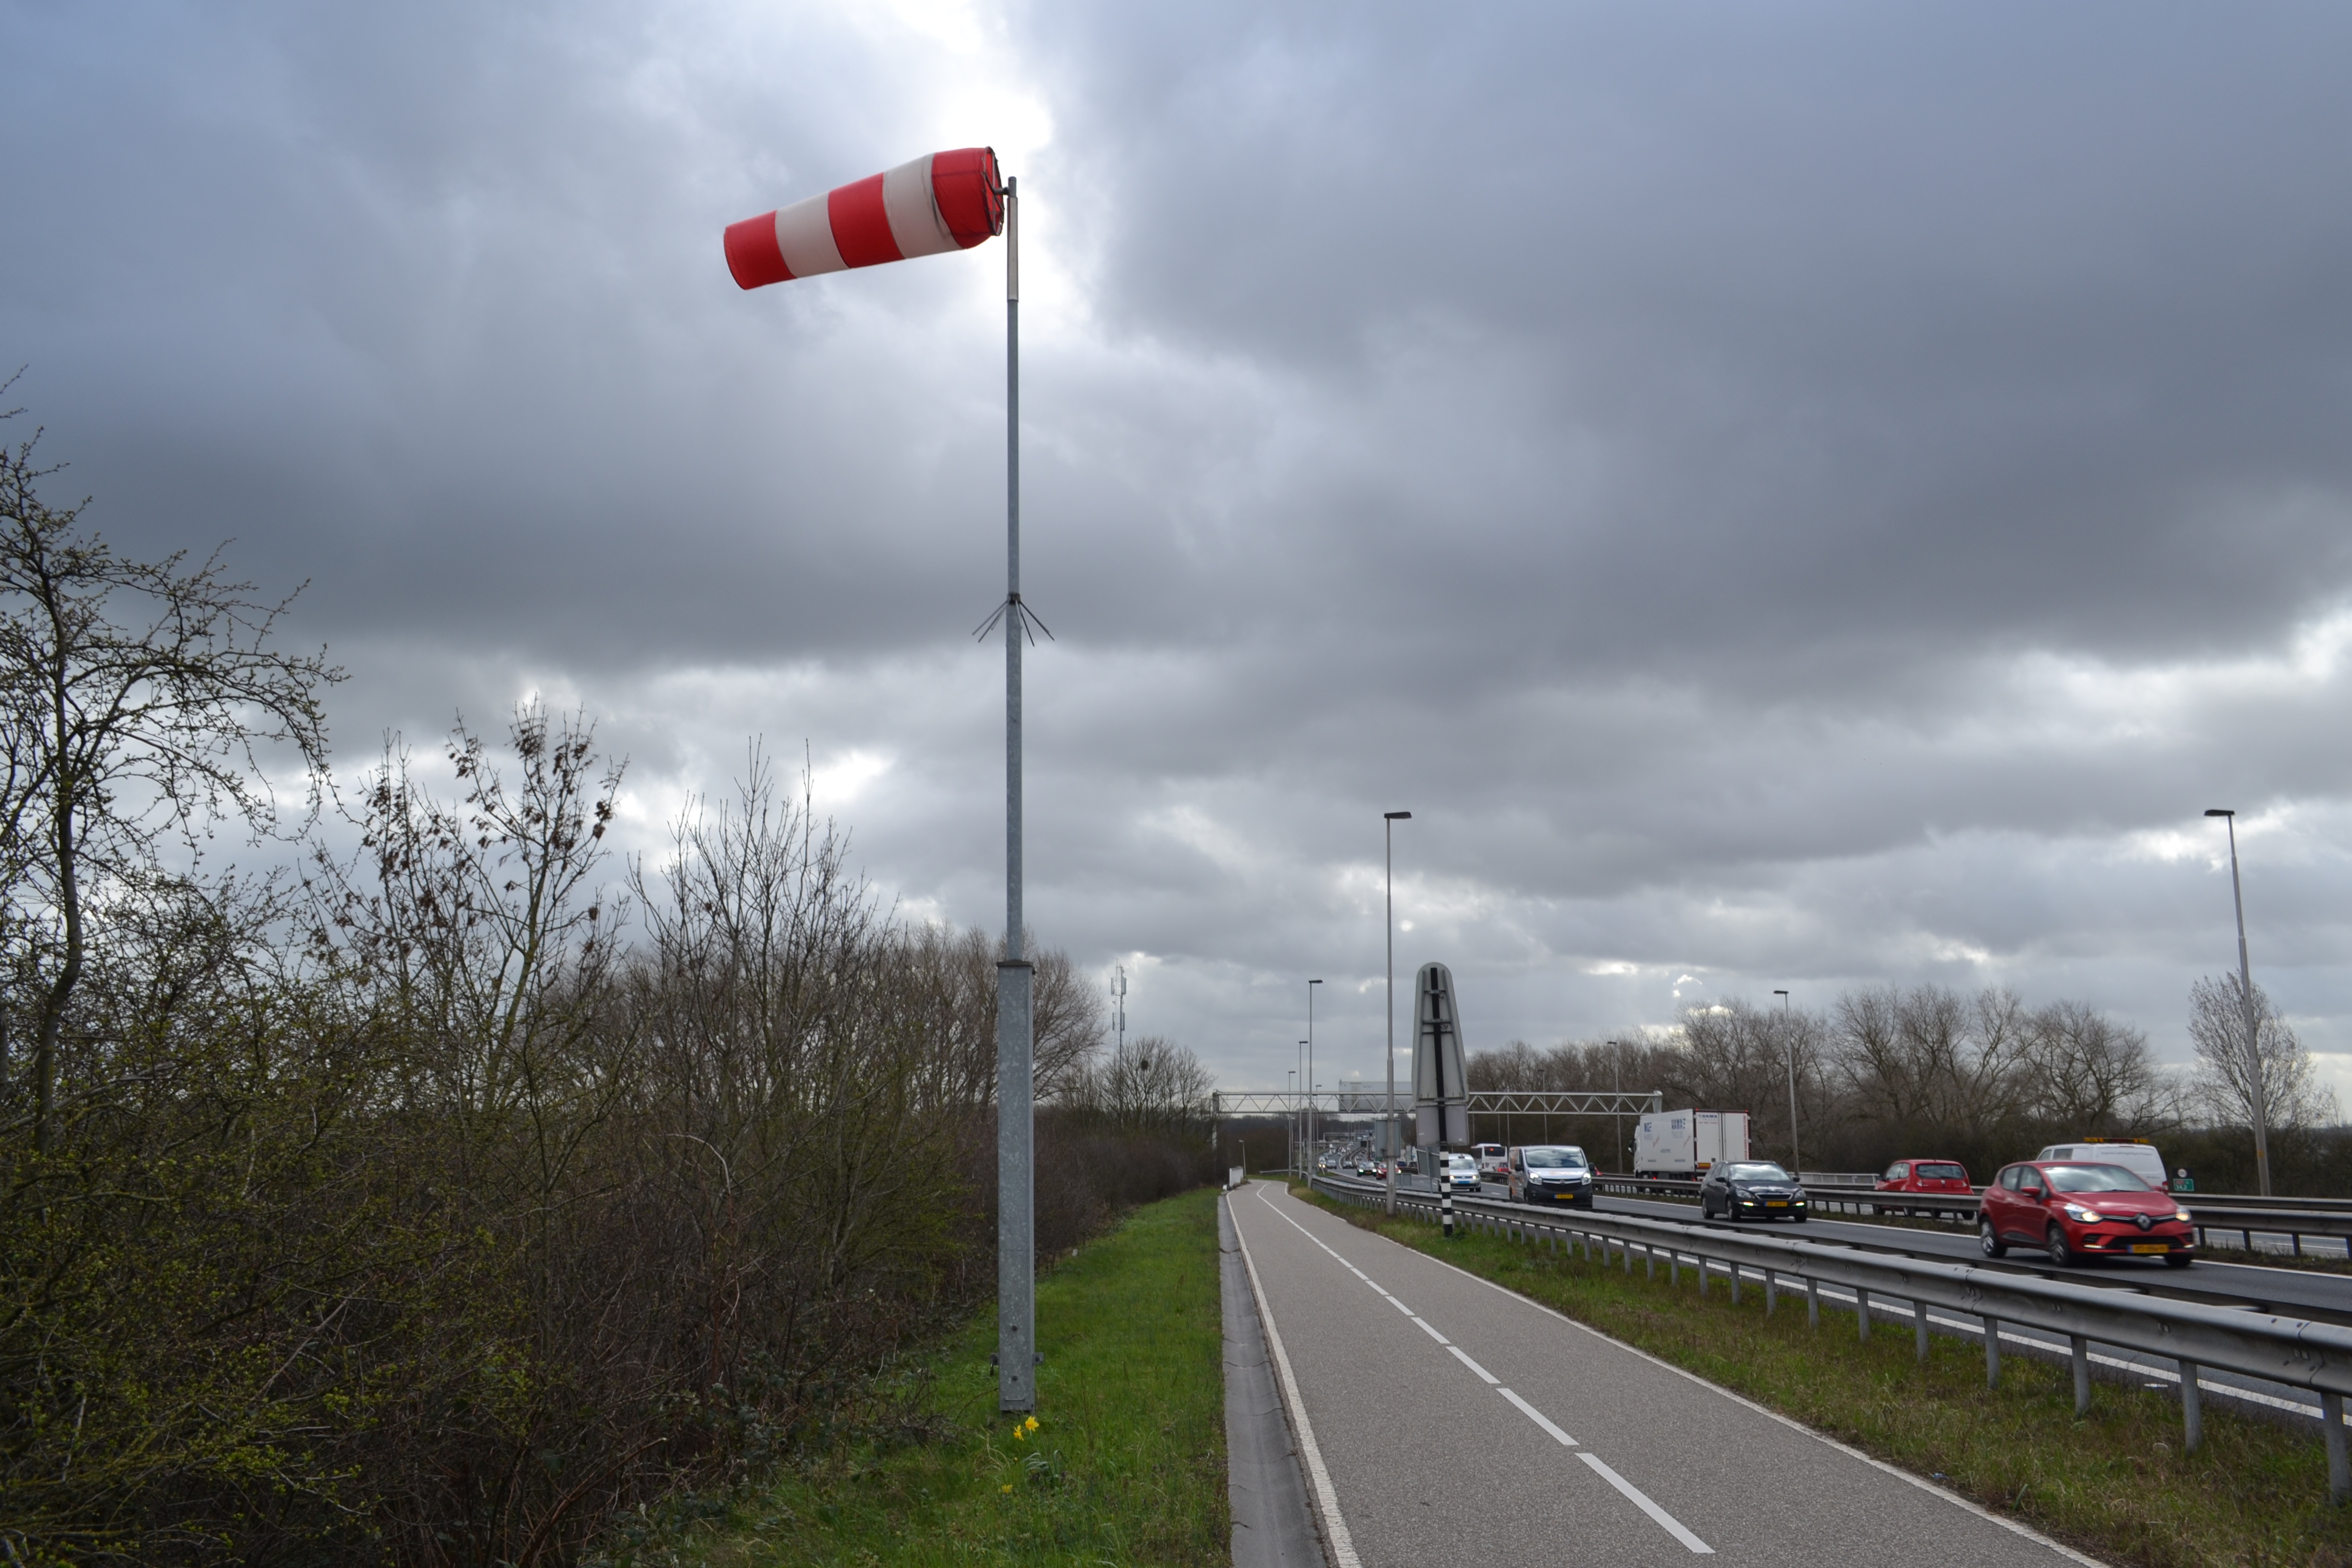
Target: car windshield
[[1940, 1172], [1555, 1158], [2095, 1179], [1755, 1171], [1461, 1162]]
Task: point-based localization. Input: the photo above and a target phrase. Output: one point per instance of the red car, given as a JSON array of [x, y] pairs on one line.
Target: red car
[[2076, 1211], [1925, 1176]]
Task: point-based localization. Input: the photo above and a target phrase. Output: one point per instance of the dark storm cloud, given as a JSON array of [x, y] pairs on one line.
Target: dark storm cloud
[[1797, 492]]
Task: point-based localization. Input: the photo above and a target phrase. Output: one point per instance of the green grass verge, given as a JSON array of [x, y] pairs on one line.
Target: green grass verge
[[1126, 1463], [2115, 1484]]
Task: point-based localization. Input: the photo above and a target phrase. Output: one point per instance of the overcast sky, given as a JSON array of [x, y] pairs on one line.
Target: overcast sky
[[1789, 496]]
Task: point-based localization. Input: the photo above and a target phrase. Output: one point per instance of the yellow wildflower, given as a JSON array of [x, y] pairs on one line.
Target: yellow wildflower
[[1031, 1424]]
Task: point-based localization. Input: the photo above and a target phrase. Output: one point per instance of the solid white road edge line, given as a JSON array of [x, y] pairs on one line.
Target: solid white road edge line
[[1672, 1525], [1955, 1498], [1335, 1529], [1538, 1416], [1486, 1376]]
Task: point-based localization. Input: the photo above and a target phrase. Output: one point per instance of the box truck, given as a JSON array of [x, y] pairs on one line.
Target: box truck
[[1685, 1142]]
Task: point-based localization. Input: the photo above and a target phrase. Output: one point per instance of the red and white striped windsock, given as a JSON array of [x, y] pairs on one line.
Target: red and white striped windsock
[[945, 201]]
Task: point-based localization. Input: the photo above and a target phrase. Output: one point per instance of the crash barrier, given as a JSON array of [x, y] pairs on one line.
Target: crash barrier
[[2239, 1219], [2293, 1351], [1235, 1176]]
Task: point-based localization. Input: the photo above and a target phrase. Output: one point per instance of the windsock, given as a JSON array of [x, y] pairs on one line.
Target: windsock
[[944, 201]]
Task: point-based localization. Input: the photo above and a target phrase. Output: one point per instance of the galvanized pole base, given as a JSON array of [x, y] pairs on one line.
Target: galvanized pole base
[[1016, 1243]]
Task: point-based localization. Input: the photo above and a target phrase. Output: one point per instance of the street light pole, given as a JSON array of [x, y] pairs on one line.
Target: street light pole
[[1306, 1107], [1290, 1124], [1617, 1085], [1796, 1162], [1389, 819], [2257, 1101], [1311, 1055]]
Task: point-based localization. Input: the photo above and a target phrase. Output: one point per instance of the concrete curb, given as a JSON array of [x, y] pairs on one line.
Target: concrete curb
[[1274, 1526]]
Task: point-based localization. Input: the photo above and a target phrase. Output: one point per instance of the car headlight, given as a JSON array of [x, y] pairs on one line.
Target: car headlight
[[2182, 1216], [2077, 1213]]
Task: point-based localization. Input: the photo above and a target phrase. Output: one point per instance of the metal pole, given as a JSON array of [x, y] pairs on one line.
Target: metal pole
[[2257, 1100], [1306, 1108], [1016, 1260], [1310, 1056], [1796, 1161], [1389, 819], [1616, 1086]]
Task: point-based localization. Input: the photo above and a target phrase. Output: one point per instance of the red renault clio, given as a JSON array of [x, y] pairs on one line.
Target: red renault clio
[[2076, 1211]]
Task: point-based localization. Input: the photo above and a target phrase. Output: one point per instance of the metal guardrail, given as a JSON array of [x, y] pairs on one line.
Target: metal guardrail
[[2291, 1352]]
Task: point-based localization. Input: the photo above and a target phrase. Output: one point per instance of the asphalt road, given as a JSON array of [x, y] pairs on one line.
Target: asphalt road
[[2285, 1290], [1447, 1420]]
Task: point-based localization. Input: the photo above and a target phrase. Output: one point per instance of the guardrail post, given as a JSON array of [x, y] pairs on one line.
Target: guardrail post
[[1992, 1350], [1734, 1281], [1674, 1267], [1772, 1290], [2078, 1350], [1701, 1261], [1650, 1258], [1919, 1315], [2192, 1409], [1629, 1259], [2339, 1472], [1862, 1312], [1813, 1303]]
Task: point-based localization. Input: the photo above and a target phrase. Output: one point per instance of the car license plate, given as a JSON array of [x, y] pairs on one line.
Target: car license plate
[[2151, 1247], [1775, 1202]]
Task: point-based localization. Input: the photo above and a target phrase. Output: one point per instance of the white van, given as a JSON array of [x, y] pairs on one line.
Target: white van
[[2136, 1155]]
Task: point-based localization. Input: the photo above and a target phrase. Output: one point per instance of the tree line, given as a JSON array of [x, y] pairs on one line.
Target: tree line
[[459, 1184], [1886, 1072]]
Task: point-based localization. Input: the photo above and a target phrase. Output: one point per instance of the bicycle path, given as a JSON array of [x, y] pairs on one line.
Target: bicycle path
[[1439, 1417]]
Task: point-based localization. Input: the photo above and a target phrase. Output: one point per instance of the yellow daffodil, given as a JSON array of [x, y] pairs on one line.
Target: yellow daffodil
[[1031, 1424], [1008, 1486], [1020, 1433]]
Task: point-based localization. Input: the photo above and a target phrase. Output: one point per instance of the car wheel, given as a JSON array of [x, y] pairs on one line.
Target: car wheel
[[2179, 1260], [2060, 1253], [1731, 1212], [1989, 1240]]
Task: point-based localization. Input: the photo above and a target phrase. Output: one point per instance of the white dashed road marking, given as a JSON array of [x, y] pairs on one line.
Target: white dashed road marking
[[1640, 1498]]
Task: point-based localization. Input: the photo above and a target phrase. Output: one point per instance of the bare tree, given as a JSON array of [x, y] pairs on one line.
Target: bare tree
[[1150, 1086], [2223, 1082], [2094, 1075], [136, 700]]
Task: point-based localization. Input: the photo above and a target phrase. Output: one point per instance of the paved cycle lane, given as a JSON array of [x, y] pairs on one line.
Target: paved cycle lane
[[1447, 1418]]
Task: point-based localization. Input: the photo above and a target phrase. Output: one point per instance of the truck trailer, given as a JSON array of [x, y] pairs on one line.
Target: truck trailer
[[1684, 1143]]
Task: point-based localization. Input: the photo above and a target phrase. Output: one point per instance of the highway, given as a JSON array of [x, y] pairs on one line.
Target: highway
[[1440, 1420], [2321, 1296], [2293, 1293]]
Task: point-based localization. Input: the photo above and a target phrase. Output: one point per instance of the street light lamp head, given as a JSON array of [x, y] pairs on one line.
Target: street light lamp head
[[1315, 983], [2218, 811], [1780, 993], [1396, 816]]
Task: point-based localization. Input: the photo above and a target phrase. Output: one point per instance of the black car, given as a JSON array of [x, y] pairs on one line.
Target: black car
[[1550, 1173], [1751, 1189]]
